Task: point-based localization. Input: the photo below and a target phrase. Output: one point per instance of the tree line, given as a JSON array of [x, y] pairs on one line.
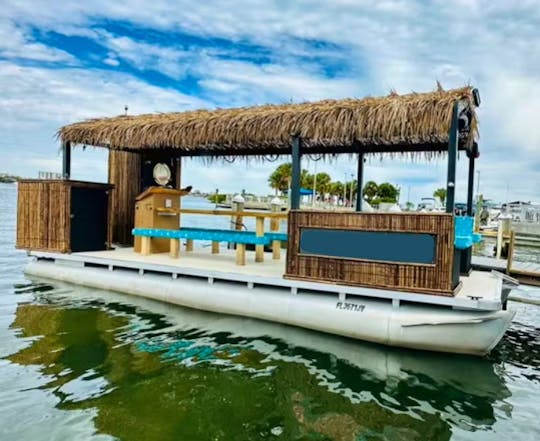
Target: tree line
[[373, 193]]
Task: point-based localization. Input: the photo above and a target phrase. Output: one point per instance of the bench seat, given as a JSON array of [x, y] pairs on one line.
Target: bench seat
[[240, 238], [244, 237], [272, 235]]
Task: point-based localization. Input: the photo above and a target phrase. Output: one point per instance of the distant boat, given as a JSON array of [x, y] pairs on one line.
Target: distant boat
[[430, 204]]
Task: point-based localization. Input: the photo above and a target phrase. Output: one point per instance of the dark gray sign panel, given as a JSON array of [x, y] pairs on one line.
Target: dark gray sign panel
[[369, 245]]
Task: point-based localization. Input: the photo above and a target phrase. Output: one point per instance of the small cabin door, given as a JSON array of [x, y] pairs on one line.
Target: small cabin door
[[89, 223]]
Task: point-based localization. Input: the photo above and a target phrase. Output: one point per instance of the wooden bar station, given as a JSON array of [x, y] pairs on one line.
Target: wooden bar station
[[394, 268]]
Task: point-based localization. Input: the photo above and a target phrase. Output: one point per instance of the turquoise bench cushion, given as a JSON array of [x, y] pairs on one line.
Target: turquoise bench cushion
[[276, 236], [244, 237]]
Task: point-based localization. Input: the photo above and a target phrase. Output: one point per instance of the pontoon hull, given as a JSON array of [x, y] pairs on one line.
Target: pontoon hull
[[418, 326]]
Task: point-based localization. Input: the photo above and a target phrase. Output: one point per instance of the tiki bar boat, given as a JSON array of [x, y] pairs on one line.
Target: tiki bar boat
[[400, 279]]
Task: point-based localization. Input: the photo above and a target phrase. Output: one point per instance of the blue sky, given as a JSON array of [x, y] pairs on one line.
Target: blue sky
[[61, 62]]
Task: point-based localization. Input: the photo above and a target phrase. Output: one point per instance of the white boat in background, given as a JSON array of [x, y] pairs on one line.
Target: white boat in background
[[527, 212], [430, 205]]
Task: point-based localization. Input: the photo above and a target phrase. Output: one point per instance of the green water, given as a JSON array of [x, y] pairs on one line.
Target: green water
[[85, 364]]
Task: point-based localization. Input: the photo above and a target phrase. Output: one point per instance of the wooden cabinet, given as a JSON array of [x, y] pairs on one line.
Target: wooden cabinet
[[63, 216], [146, 215]]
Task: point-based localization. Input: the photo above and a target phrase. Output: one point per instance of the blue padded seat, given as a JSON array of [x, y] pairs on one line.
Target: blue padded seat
[[214, 235]]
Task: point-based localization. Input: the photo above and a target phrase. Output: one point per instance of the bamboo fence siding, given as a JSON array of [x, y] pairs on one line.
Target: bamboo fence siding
[[433, 278], [44, 214], [125, 175]]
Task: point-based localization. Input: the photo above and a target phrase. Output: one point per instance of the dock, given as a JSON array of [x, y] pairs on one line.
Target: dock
[[525, 272]]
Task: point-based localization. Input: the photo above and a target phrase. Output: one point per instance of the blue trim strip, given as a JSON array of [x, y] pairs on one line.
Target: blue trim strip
[[245, 237], [277, 236]]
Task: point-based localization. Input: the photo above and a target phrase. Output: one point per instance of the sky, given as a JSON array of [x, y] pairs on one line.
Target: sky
[[62, 62]]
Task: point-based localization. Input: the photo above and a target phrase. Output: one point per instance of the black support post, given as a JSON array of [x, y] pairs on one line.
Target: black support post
[[66, 160], [295, 178], [470, 185], [466, 254], [360, 181], [453, 140]]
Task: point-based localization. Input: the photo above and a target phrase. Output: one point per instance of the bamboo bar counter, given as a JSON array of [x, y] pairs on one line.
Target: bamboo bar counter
[[401, 251]]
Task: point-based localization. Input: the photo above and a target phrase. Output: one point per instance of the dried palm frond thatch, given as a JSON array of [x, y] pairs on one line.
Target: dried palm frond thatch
[[395, 123]]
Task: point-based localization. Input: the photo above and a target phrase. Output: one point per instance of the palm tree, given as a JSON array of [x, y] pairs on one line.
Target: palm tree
[[280, 179], [441, 194]]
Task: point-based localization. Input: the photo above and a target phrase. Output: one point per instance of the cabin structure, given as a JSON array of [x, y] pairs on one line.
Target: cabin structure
[[404, 251], [408, 274]]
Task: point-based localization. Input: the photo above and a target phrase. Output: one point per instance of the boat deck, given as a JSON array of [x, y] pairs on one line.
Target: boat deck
[[479, 291]]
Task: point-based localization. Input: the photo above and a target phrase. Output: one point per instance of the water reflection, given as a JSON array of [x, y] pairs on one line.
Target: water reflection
[[154, 371]]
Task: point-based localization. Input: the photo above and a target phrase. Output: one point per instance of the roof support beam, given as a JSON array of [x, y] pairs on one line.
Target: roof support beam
[[66, 160], [470, 184], [466, 254], [295, 173], [453, 139], [359, 181]]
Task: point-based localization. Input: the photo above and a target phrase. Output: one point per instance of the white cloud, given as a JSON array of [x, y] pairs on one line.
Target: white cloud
[[39, 101], [248, 82], [14, 43], [111, 61], [405, 45]]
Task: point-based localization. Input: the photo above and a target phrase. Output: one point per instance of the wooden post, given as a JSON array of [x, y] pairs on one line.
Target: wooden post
[[174, 248], [275, 207], [215, 247], [145, 245], [499, 245], [259, 232], [510, 252], [240, 254], [238, 205], [479, 204], [236, 222]]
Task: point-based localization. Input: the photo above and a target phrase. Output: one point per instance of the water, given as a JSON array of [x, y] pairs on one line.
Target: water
[[85, 364]]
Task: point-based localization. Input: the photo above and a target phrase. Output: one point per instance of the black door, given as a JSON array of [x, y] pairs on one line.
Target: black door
[[88, 219]]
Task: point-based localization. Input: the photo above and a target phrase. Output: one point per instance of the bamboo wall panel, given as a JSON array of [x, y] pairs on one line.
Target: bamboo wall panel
[[44, 214], [43, 221], [428, 278], [125, 174]]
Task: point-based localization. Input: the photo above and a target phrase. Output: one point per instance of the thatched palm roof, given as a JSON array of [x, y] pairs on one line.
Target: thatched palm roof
[[395, 123]]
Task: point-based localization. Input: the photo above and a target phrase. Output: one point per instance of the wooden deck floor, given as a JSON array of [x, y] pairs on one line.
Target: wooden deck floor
[[201, 259]]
